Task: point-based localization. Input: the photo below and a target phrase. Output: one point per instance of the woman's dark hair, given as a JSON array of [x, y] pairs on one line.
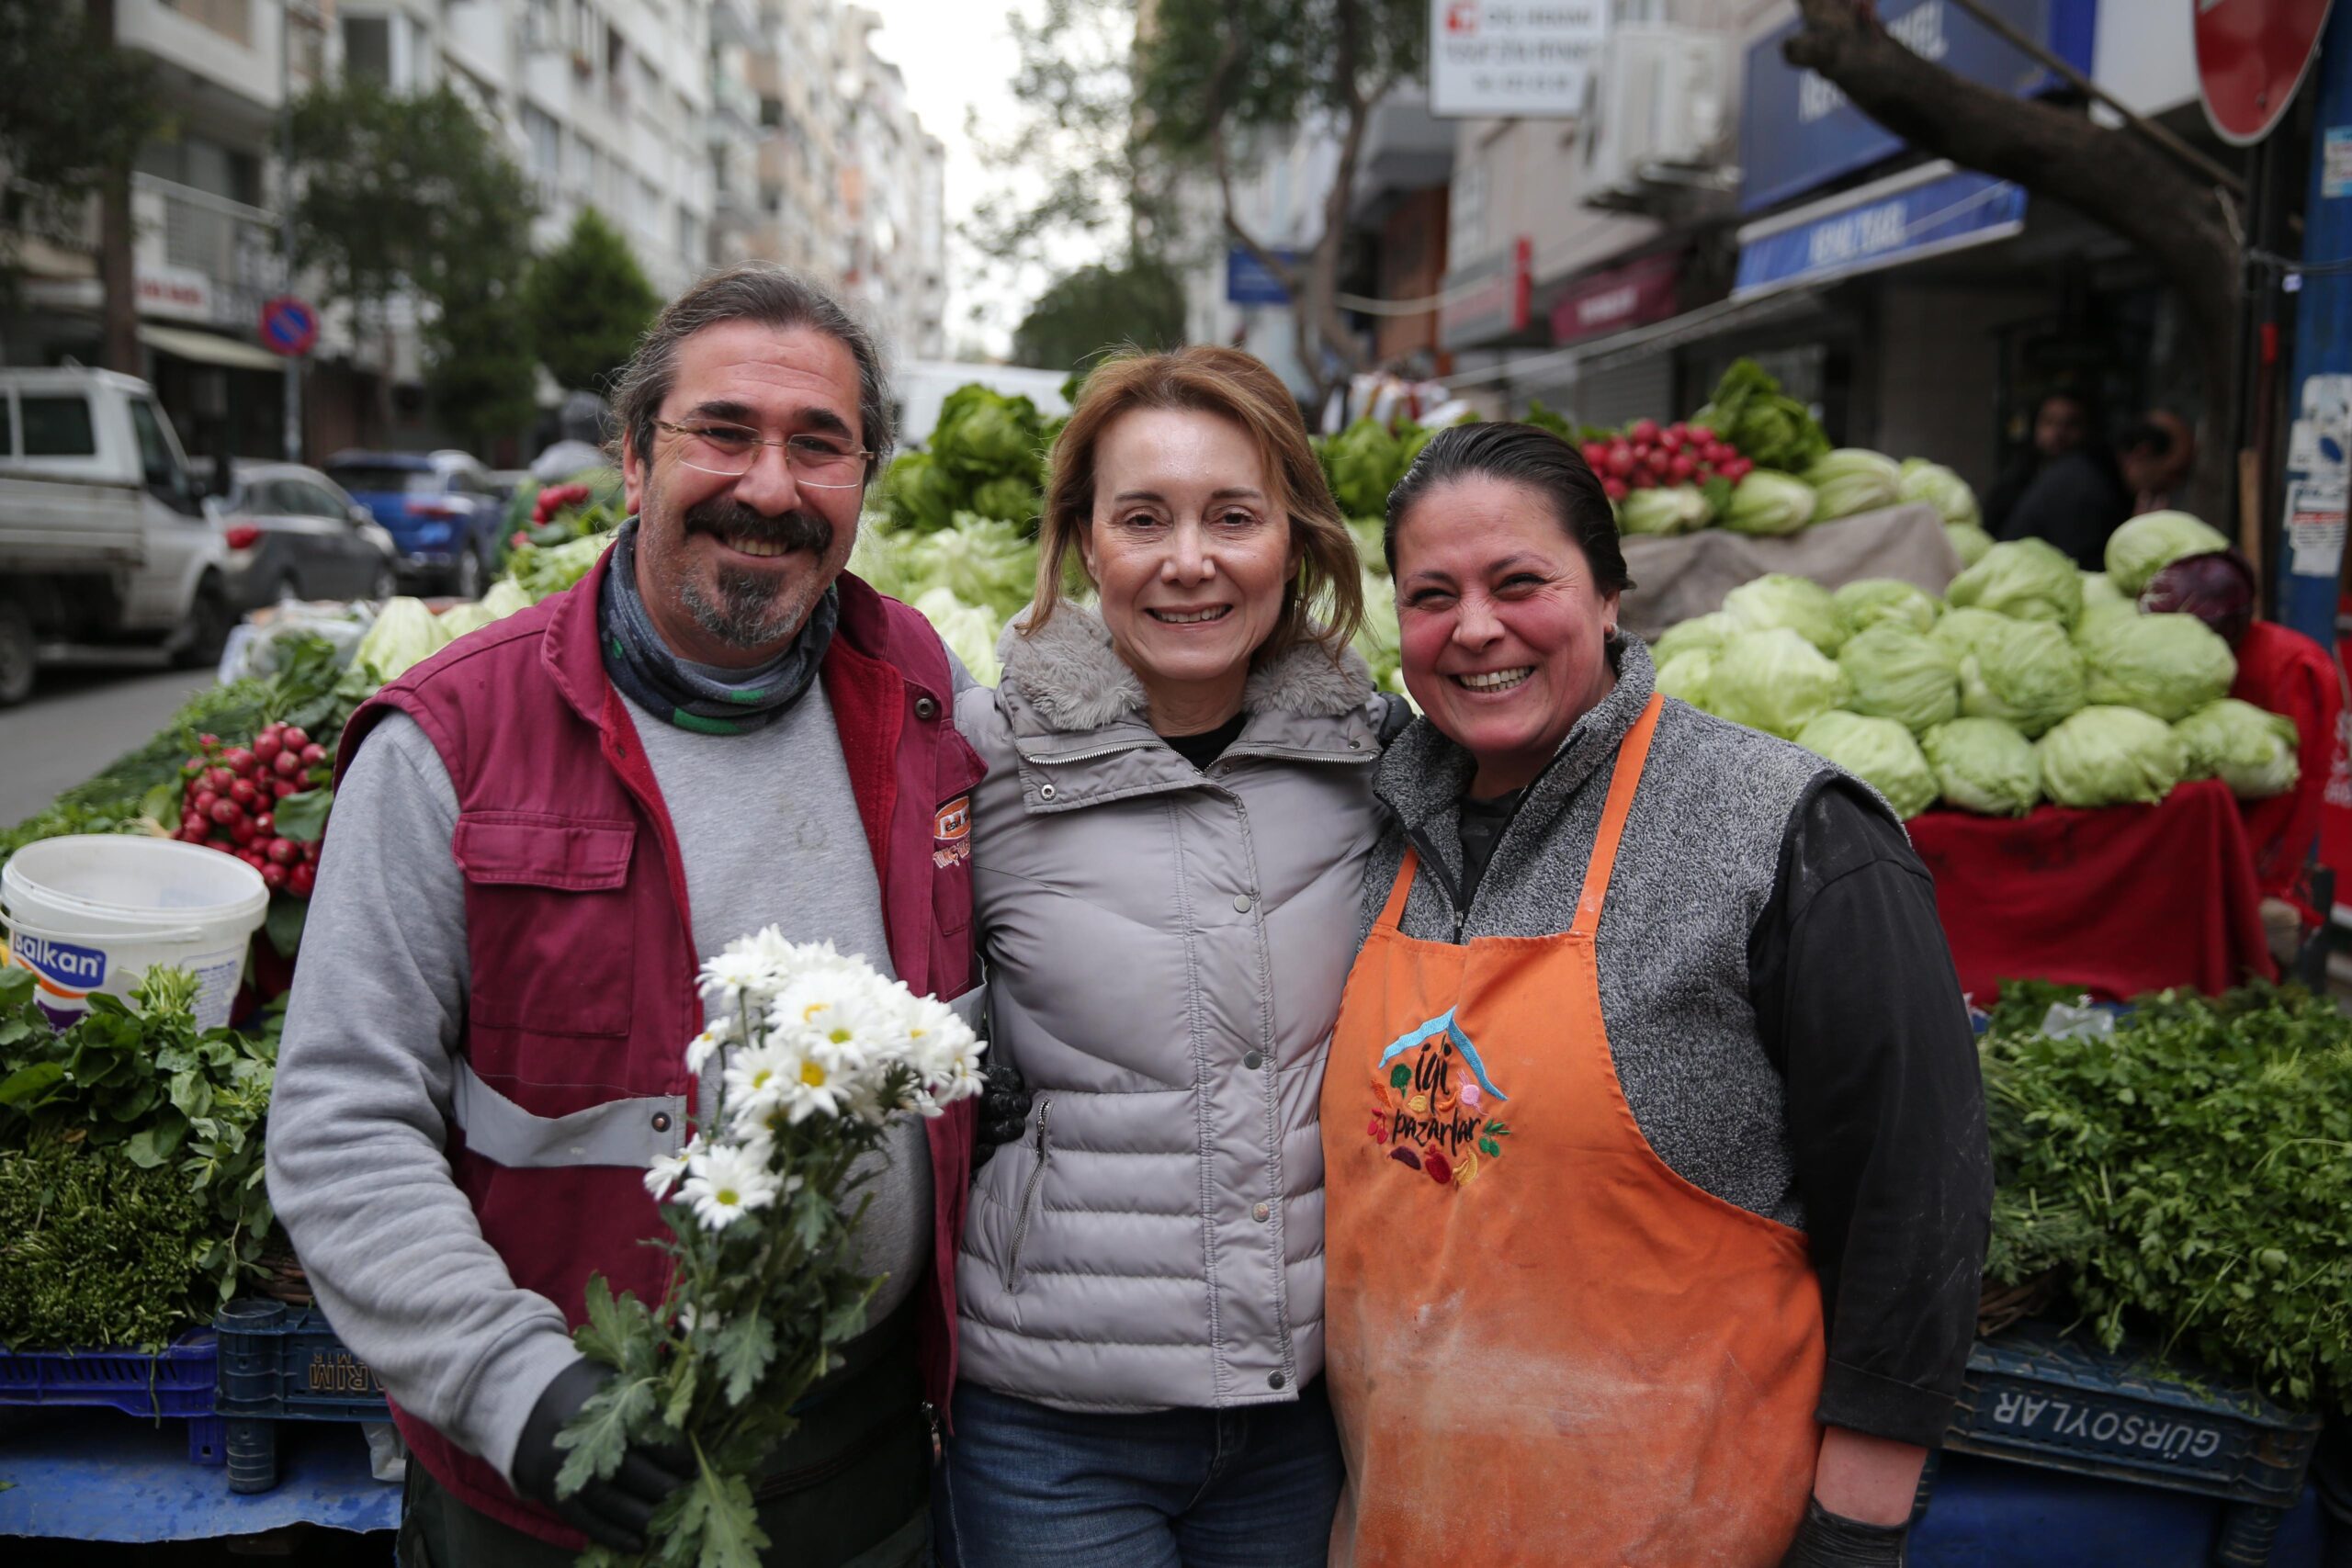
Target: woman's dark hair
[[1524, 455]]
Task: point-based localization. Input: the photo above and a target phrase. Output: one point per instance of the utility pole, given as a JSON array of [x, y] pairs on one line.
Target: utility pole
[[285, 216], [118, 276], [2319, 388]]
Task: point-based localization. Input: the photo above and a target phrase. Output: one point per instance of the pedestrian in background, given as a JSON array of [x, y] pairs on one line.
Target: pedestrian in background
[[2068, 490], [1658, 1180], [1166, 852], [2156, 455]]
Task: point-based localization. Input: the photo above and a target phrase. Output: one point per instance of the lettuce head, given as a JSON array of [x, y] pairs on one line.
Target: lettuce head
[[2028, 673], [1896, 673], [1880, 752], [2027, 579], [1871, 600], [2111, 756], [1983, 766], [1774, 681], [1778, 599], [2168, 665], [2247, 747]]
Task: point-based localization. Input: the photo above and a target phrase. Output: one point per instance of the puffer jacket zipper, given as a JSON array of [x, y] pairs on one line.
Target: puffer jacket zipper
[[1029, 1196]]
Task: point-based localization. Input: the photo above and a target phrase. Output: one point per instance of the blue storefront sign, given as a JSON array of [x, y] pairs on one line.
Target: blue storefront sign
[[1248, 281], [1920, 213], [1797, 131]]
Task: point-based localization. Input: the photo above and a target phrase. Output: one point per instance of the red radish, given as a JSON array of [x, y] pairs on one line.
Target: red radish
[[243, 793], [220, 778], [1738, 469], [244, 836], [1702, 432], [292, 737], [1682, 468], [311, 850], [1616, 488], [274, 877], [226, 812], [1670, 438], [265, 748], [237, 760], [208, 741], [288, 764], [301, 881], [1643, 430], [282, 850], [265, 824], [285, 788], [313, 754], [204, 800]]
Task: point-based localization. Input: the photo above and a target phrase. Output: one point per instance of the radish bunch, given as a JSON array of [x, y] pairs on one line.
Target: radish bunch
[[1647, 455], [231, 797]]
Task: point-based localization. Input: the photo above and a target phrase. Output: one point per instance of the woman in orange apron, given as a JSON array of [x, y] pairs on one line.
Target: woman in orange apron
[[1655, 1151]]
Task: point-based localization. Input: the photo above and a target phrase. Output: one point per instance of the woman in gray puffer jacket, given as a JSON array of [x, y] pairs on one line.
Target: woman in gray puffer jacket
[[1166, 852]]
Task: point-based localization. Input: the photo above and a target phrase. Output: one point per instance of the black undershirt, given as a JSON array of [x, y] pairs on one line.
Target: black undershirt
[[1209, 744], [1482, 822]]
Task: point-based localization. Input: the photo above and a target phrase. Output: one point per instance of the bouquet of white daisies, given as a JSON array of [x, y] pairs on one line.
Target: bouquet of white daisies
[[817, 1051]]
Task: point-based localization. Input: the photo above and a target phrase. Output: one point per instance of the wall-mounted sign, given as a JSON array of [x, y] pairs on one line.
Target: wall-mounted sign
[[1798, 130], [1630, 296], [2251, 56], [1248, 281], [1918, 213], [1497, 59], [1488, 298]]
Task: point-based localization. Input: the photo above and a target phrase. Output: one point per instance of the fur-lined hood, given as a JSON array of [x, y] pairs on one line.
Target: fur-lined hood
[[1070, 676]]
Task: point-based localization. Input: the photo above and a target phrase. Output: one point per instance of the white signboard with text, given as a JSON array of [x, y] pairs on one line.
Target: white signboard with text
[[1501, 59]]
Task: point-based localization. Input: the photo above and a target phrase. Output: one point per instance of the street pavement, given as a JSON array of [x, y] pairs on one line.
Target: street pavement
[[82, 717]]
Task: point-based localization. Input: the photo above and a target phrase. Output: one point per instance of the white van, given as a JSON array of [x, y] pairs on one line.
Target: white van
[[105, 536]]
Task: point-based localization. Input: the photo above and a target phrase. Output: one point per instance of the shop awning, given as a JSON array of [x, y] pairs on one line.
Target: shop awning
[[1722, 317], [1907, 217], [208, 348]]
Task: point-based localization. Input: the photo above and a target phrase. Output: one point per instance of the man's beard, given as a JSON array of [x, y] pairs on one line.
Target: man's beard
[[753, 609]]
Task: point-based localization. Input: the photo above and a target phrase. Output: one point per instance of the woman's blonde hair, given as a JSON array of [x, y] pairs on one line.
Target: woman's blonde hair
[[1324, 601]]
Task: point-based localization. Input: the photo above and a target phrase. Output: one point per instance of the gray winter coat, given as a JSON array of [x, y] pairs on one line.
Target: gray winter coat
[[1165, 948]]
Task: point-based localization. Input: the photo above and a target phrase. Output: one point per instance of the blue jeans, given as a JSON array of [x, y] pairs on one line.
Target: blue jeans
[[1027, 1486]]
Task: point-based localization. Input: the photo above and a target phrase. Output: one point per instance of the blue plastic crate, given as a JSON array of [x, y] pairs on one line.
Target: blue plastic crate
[[282, 1363], [175, 1383], [2033, 1397]]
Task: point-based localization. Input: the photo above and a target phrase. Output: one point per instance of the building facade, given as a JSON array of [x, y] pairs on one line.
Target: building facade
[[707, 131]]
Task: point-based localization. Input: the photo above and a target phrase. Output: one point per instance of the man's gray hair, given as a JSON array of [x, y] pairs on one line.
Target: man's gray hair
[[772, 296]]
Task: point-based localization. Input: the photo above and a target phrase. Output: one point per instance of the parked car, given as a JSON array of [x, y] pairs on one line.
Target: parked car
[[440, 509], [105, 533], [292, 533]]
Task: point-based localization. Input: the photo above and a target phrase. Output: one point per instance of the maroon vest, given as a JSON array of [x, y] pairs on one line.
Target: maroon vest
[[582, 945]]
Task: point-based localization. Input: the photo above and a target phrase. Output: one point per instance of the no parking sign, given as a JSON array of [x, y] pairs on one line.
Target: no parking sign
[[289, 326]]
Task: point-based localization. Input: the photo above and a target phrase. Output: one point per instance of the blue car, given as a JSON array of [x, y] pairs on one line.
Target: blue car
[[442, 510]]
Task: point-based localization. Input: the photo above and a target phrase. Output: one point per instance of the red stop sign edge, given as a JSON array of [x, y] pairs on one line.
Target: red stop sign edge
[[2245, 67]]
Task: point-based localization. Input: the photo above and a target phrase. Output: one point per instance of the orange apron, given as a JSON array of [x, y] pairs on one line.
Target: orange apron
[[1543, 1345]]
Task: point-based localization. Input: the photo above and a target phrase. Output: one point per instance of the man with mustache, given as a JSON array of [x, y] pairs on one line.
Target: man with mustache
[[539, 835]]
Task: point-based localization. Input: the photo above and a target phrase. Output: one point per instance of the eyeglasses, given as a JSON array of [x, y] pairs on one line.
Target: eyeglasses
[[816, 461]]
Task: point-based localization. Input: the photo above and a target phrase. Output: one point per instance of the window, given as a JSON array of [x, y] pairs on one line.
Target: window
[[155, 449], [7, 430], [368, 47], [59, 427], [545, 138], [307, 499]]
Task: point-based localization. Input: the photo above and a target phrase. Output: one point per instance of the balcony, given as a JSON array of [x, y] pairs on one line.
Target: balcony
[[1405, 148], [218, 58], [202, 257]]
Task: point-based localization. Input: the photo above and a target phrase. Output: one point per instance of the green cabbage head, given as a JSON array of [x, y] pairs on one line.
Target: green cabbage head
[[1851, 479], [1777, 599], [1878, 751], [1705, 633], [405, 635], [1939, 487], [1896, 673], [969, 631], [1774, 681], [2148, 543], [2167, 665], [1958, 631], [2249, 749], [2027, 579], [1983, 766], [1769, 504], [1969, 542], [1663, 509], [2029, 674], [1686, 676], [1871, 600], [2111, 756]]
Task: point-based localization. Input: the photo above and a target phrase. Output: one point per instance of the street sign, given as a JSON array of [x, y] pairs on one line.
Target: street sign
[[2251, 56], [1500, 58], [289, 326], [1248, 281]]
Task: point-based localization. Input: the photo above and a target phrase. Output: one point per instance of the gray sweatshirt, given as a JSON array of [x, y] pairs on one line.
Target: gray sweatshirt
[[770, 835]]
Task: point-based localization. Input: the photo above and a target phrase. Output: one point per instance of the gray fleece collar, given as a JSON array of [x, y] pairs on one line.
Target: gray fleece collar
[[1424, 774], [1069, 679]]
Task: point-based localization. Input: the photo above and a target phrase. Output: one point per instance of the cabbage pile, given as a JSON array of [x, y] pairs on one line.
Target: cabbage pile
[[1851, 479], [1799, 604], [987, 456]]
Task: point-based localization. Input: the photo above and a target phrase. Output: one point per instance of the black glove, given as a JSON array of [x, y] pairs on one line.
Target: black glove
[[1004, 1110], [614, 1512], [1831, 1541]]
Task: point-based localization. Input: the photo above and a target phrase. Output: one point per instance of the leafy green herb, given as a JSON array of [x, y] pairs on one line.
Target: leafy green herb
[[95, 1251], [2192, 1171]]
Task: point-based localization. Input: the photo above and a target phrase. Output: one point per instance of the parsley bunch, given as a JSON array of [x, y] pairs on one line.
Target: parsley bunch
[[2191, 1172]]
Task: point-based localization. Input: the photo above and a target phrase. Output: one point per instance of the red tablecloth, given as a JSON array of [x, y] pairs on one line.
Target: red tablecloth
[[2119, 900]]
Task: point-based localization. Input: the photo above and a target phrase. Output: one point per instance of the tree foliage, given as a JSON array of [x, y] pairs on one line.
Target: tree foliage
[[1101, 308], [411, 194], [587, 302], [72, 105], [1215, 77]]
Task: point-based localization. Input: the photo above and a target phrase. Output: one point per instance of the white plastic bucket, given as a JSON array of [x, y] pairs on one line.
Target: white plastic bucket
[[93, 912]]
